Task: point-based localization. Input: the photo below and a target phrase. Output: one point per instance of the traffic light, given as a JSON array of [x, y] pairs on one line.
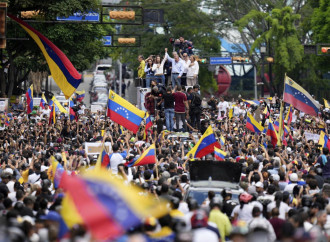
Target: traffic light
[[130, 15], [3, 14], [240, 59], [126, 40], [29, 14], [325, 50], [270, 59]]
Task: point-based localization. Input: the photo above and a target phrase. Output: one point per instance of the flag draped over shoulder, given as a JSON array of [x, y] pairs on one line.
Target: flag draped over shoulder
[[52, 115], [219, 154], [299, 98], [62, 70], [29, 99], [205, 145], [324, 140], [124, 113], [105, 204], [272, 133], [148, 157], [253, 125]]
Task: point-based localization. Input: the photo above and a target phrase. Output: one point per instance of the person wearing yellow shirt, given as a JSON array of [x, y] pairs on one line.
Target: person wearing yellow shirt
[[219, 218], [141, 73]]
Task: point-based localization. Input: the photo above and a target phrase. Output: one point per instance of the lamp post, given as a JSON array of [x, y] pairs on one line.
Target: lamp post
[[262, 52]]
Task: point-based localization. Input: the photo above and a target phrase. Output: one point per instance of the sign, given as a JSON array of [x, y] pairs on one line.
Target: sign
[[93, 148], [311, 136], [79, 16], [107, 40], [95, 108], [220, 60], [4, 104], [153, 16]]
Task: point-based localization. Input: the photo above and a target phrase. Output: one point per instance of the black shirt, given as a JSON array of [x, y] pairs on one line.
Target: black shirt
[[168, 100]]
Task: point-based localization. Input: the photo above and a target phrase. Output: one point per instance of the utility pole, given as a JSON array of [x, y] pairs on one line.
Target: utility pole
[[255, 84], [120, 65]]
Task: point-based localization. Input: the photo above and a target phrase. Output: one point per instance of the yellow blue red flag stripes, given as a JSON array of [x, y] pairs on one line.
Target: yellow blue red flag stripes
[[324, 140], [62, 70], [29, 99], [253, 125], [80, 95], [59, 105], [148, 157], [52, 115], [299, 98], [288, 117], [219, 154], [124, 113], [272, 133], [43, 101], [105, 204], [57, 172], [251, 102], [205, 145]]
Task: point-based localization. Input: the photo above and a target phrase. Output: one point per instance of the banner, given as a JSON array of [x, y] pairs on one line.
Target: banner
[[93, 148], [311, 136]]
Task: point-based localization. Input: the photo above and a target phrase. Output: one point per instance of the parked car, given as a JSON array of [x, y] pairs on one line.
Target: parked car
[[214, 176], [102, 68]]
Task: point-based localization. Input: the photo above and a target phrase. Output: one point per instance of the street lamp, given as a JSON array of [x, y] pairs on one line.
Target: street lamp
[[262, 52]]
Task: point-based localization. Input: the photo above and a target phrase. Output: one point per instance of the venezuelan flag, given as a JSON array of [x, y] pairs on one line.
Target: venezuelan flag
[[43, 101], [80, 95], [103, 160], [219, 154], [124, 113], [222, 141], [288, 116], [266, 111], [324, 140], [253, 125], [73, 115], [57, 172], [29, 99], [7, 122], [286, 128], [62, 70], [272, 133], [105, 204], [58, 105], [205, 145], [251, 102], [52, 115], [148, 157], [148, 121], [299, 98]]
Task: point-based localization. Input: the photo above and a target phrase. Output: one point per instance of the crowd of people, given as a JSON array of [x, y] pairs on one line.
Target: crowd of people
[[284, 190], [182, 69]]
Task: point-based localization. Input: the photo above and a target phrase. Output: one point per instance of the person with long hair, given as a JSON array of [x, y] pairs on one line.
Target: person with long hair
[[278, 203], [148, 70], [243, 211], [158, 69]]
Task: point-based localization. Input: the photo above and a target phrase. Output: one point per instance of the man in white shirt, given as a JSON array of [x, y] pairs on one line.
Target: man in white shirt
[[177, 68], [186, 62], [46, 110], [116, 158], [223, 106]]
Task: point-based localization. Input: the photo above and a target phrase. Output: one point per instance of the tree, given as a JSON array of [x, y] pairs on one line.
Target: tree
[[282, 35], [80, 42], [181, 18]]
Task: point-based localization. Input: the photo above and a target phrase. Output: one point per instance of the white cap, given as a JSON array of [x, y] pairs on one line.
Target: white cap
[[276, 177], [259, 184], [8, 170], [294, 177]]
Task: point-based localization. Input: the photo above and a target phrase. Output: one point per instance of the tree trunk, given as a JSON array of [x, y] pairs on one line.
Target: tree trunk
[[2, 82]]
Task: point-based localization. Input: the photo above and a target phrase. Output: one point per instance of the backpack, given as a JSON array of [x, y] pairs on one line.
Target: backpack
[[196, 101]]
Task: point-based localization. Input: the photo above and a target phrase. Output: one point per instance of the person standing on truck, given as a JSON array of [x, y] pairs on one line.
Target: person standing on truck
[[141, 73]]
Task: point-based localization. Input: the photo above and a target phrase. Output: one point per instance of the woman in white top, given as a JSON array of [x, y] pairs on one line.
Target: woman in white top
[[158, 69], [192, 72]]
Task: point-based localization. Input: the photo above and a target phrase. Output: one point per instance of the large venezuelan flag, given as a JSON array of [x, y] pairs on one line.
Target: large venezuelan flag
[[324, 140], [29, 99], [62, 70], [205, 145], [124, 113], [253, 125], [219, 154], [105, 204], [299, 98], [148, 157]]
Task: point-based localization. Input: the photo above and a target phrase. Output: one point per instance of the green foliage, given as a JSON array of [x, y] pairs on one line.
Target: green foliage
[[206, 80], [282, 36]]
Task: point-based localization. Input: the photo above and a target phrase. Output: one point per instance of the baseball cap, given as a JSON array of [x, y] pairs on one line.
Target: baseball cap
[[259, 184], [276, 177], [294, 177]]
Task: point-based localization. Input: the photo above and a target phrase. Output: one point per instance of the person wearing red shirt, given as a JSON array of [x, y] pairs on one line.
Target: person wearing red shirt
[[181, 108]]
